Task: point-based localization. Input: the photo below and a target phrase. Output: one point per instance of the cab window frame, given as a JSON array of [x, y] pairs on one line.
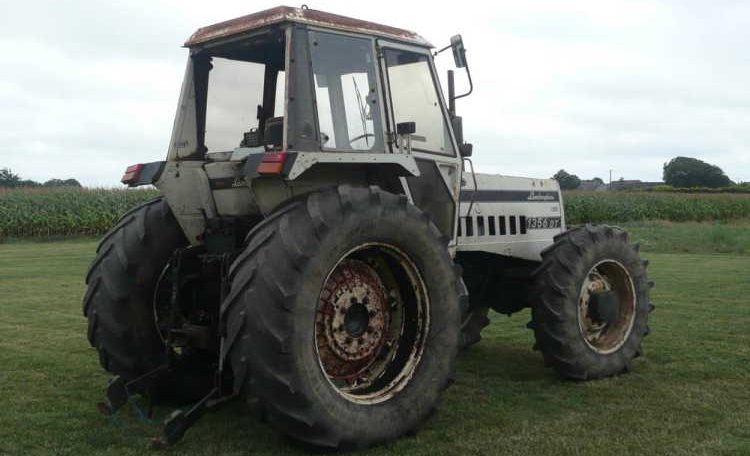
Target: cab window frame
[[380, 127], [201, 58], [384, 46]]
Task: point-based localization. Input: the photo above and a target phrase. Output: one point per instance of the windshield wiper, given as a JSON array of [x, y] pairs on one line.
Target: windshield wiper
[[362, 111]]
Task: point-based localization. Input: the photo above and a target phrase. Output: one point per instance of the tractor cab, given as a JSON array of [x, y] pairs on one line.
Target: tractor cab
[[287, 100], [291, 79]]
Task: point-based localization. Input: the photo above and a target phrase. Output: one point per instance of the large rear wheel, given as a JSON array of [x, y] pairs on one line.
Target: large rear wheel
[[343, 317], [119, 302]]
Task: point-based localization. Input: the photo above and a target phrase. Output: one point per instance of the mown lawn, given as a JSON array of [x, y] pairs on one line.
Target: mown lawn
[[688, 394], [692, 237]]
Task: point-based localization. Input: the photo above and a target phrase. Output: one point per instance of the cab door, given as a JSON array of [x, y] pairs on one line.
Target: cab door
[[412, 94]]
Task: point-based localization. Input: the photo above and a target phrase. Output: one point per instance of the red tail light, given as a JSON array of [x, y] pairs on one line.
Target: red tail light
[[132, 174], [272, 163]]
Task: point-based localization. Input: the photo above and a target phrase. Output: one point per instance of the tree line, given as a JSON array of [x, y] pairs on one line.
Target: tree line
[[680, 172], [8, 179]]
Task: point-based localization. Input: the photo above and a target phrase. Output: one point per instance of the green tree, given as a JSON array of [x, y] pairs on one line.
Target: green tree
[[28, 183], [686, 172], [62, 183], [567, 181], [8, 178]]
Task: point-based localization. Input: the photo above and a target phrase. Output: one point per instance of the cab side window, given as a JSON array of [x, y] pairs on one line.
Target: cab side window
[[414, 98], [346, 96]]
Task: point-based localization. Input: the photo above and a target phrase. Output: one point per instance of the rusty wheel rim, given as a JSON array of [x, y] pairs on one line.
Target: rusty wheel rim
[[371, 323], [607, 336]]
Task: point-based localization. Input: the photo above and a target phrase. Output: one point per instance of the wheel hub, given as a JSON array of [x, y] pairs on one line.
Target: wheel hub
[[606, 306], [371, 323], [357, 318], [355, 314]]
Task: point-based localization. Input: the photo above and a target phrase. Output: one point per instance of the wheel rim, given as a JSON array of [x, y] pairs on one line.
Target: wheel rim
[[607, 336], [371, 323]]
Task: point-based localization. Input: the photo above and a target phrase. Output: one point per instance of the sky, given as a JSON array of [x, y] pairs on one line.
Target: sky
[[90, 87]]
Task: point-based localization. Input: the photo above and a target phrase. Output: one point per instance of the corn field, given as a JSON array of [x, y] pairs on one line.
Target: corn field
[[74, 212], [617, 207], [64, 211]]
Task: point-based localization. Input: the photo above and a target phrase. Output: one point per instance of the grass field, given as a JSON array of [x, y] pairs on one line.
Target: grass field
[[692, 237], [689, 393]]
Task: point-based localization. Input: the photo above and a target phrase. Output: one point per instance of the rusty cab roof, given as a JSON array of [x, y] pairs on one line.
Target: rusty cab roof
[[280, 14]]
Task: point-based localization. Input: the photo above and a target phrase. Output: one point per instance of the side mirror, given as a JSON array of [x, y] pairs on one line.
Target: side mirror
[[459, 52], [465, 150], [406, 128]]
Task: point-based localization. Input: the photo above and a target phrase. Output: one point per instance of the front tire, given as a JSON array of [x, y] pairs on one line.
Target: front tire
[[472, 324], [343, 317], [591, 303]]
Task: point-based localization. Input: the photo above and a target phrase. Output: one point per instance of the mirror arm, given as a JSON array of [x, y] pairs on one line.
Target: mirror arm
[[471, 85], [451, 94], [441, 50]]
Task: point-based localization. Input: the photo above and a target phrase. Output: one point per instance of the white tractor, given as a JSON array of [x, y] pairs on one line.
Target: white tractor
[[323, 245]]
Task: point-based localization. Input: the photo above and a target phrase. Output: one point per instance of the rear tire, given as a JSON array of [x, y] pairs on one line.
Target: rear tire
[[289, 286], [588, 261], [119, 300]]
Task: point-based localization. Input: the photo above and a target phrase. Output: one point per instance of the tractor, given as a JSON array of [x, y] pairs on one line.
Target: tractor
[[323, 246]]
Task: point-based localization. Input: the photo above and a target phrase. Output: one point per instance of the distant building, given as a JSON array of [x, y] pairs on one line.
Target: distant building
[[598, 186], [634, 184], [592, 186]]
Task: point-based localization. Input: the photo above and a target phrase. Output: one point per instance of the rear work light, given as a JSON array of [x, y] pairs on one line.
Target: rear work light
[[272, 163], [132, 174]]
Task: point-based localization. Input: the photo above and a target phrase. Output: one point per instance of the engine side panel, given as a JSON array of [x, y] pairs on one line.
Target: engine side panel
[[510, 216]]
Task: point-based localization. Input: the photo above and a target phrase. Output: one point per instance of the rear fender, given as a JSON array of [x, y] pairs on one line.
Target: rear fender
[[299, 163]]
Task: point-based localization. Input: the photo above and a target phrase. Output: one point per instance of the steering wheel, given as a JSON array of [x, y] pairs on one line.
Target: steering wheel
[[351, 140]]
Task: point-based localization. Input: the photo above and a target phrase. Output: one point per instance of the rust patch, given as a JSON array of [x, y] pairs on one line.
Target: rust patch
[[352, 320], [301, 15]]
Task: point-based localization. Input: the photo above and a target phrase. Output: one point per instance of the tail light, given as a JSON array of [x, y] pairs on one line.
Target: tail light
[[132, 173], [272, 163]]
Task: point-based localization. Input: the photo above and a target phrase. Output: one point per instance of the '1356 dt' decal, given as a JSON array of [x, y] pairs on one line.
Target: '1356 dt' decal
[[542, 223]]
